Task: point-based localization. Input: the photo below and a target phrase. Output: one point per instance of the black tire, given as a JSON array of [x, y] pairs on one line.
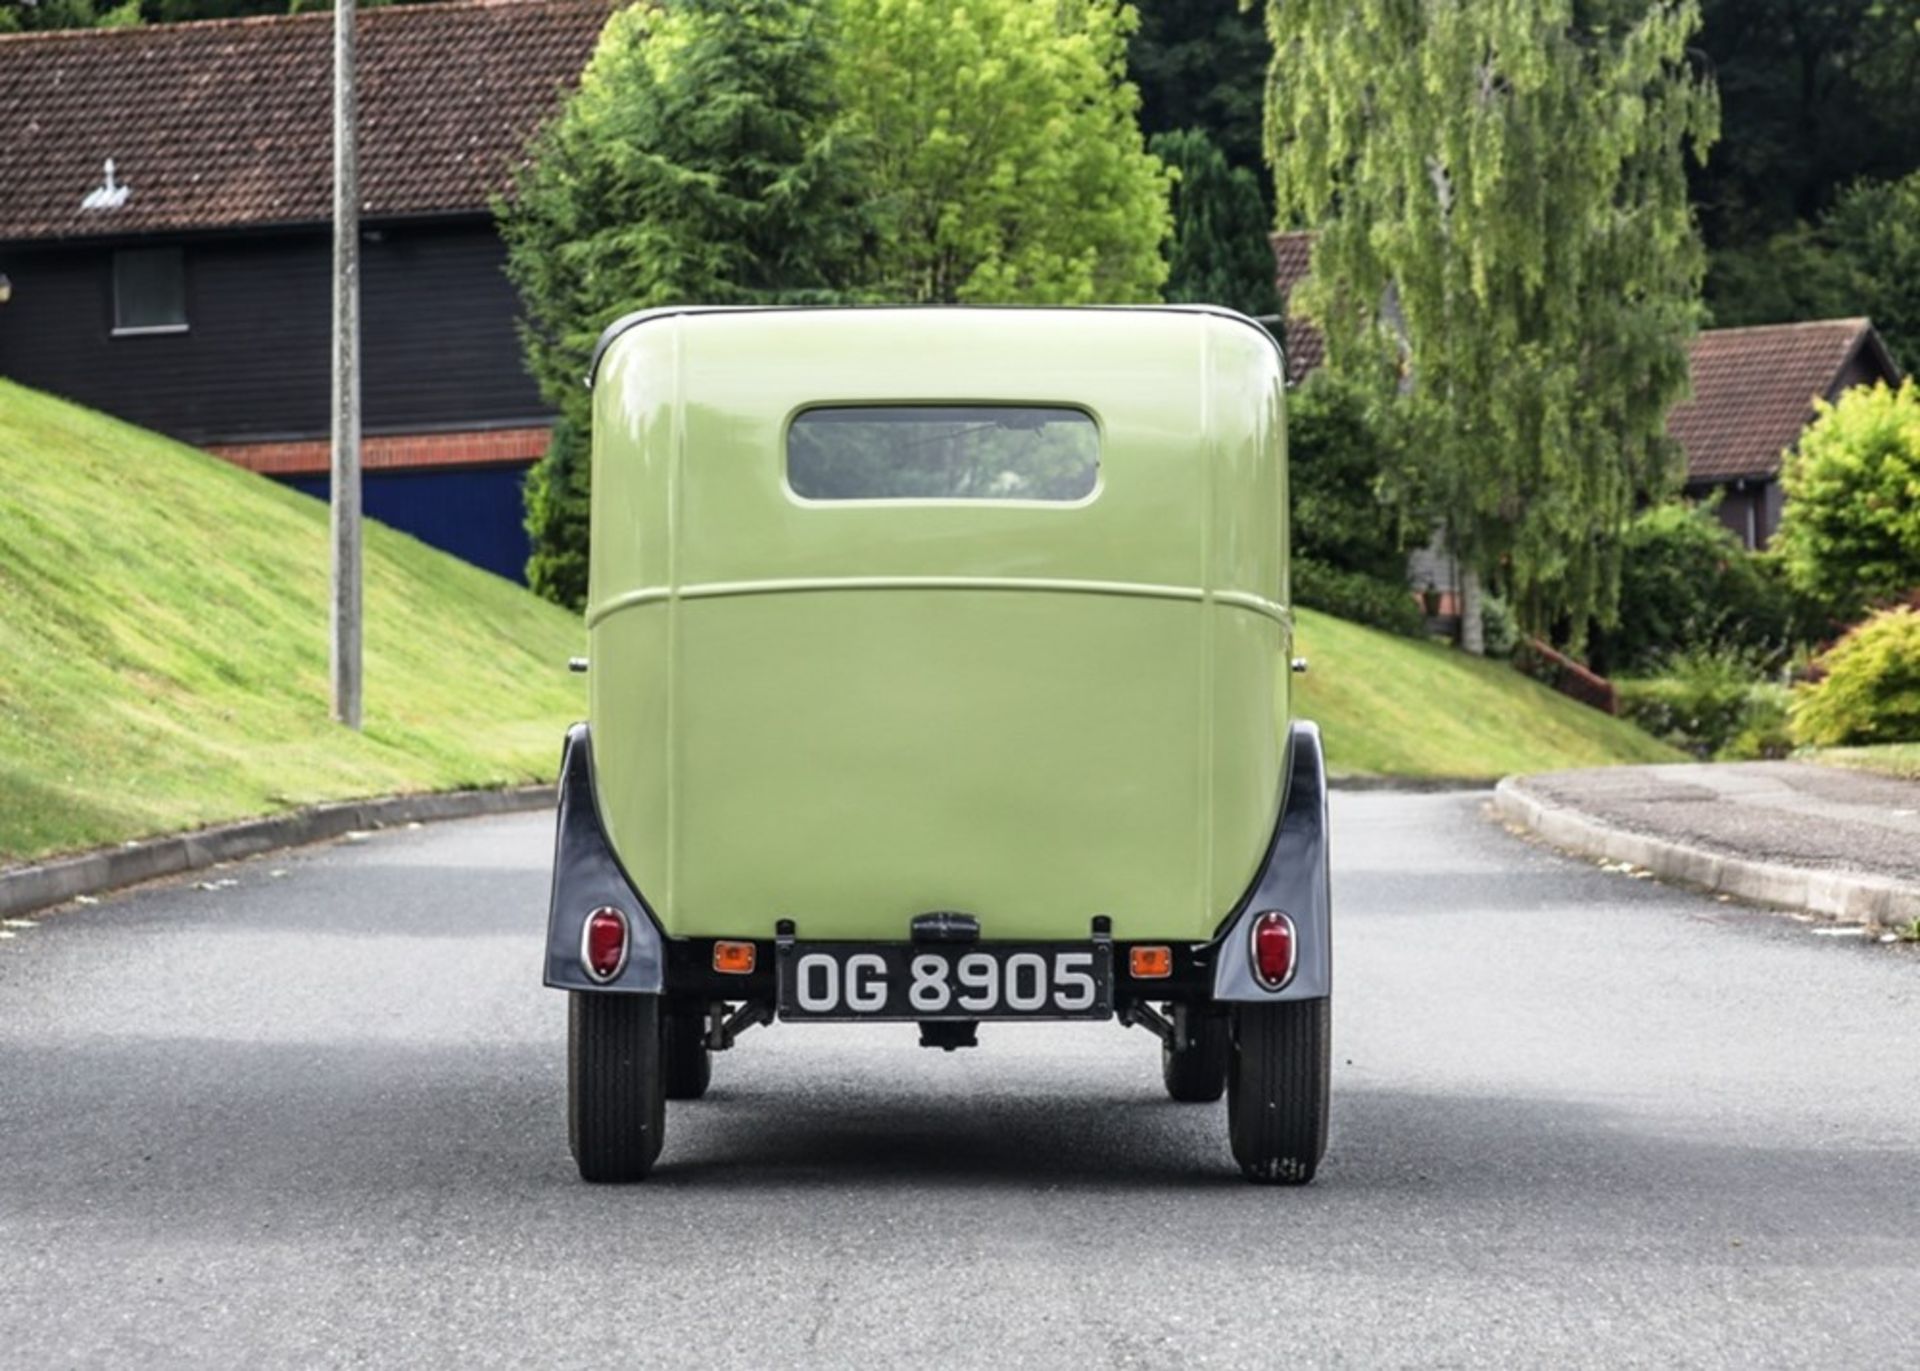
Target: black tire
[[1197, 1073], [1277, 1089], [684, 1059], [616, 1107]]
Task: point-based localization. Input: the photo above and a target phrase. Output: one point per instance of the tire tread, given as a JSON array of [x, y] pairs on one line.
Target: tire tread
[[616, 1111], [1278, 1088]]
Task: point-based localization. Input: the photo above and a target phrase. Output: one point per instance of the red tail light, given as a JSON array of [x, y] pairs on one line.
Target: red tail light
[[1273, 949], [603, 944]]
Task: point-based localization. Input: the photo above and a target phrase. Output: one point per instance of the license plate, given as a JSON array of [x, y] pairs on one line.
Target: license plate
[[946, 981]]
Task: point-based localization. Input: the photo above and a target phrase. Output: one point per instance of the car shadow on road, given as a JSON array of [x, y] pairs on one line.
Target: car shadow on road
[[182, 1135]]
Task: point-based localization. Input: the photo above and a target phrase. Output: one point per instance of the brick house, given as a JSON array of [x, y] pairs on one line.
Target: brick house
[[165, 239]]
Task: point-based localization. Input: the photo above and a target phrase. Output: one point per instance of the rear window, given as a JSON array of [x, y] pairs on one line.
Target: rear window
[[926, 452]]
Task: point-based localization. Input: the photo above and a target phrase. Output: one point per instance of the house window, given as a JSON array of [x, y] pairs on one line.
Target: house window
[[149, 291]]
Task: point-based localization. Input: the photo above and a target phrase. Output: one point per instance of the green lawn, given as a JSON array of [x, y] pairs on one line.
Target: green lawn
[[1390, 706], [1888, 759], [163, 646]]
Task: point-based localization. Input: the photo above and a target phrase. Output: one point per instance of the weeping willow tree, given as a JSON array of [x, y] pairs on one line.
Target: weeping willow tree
[[1500, 192]]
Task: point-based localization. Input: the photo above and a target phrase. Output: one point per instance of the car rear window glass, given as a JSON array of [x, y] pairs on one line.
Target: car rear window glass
[[943, 452]]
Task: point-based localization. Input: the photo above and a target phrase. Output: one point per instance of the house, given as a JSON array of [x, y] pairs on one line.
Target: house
[[1753, 394], [165, 242], [1304, 346]]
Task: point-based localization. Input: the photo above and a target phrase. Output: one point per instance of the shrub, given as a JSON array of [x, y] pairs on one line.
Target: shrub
[[1764, 734], [1686, 582], [1850, 533], [1360, 598], [1711, 702], [1871, 690], [1342, 461], [1499, 630]]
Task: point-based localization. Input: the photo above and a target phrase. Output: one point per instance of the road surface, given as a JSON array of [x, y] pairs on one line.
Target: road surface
[[315, 1117]]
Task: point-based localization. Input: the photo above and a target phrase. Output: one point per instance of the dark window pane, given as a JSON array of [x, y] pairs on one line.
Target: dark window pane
[[925, 452], [149, 289]]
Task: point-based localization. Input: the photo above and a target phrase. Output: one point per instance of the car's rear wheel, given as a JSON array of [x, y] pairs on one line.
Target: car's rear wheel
[[684, 1057], [1277, 1089], [1197, 1073], [616, 1102]]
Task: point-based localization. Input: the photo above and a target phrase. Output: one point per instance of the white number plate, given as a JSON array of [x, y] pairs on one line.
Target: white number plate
[[946, 981]]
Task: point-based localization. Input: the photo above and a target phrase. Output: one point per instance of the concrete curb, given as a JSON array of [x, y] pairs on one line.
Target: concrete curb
[[1851, 896], [26, 888]]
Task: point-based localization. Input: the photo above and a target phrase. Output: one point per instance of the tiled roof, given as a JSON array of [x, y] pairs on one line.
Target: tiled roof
[[1754, 388], [228, 123], [1292, 255]]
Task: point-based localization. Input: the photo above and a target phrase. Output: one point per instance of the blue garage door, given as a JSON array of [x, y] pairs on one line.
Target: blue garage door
[[473, 512]]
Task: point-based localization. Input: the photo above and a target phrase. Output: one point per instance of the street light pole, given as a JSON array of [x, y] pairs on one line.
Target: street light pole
[[345, 503]]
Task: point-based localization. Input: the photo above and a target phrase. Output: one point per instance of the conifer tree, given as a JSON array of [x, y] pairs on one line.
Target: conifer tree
[[1221, 252], [700, 162]]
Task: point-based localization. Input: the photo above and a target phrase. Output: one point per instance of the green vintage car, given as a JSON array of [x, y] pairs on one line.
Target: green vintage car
[[939, 674]]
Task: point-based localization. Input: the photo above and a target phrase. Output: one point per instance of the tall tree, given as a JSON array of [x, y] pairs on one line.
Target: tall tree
[[1502, 203], [700, 161], [1817, 95], [1202, 64], [1862, 257], [1221, 253], [1005, 150]]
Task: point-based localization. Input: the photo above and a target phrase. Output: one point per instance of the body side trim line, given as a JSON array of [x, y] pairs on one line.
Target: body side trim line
[[713, 590]]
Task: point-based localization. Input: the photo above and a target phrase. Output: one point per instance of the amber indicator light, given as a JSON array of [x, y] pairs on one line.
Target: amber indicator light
[[1150, 963], [733, 959]]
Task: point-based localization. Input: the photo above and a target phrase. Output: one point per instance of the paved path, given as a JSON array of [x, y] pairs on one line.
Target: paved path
[[315, 1118], [1793, 812]]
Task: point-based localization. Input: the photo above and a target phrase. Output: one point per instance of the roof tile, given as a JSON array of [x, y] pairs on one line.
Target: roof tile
[[1292, 257], [1753, 393], [228, 123]]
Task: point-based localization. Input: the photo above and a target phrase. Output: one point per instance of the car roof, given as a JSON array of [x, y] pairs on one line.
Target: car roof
[[627, 322]]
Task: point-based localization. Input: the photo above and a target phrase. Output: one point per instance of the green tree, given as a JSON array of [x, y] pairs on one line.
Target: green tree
[[700, 161], [69, 14], [1221, 253], [1817, 97], [1502, 203], [1007, 158], [1876, 229], [1850, 532], [1202, 64], [1862, 258]]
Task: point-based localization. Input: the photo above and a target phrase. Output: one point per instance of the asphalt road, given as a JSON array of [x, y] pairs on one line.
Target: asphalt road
[[315, 1118]]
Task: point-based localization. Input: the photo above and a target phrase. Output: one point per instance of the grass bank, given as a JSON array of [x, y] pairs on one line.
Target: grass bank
[[163, 657], [1885, 759], [163, 646], [1390, 706]]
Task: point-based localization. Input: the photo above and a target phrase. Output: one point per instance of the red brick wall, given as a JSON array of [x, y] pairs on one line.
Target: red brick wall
[[392, 451]]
